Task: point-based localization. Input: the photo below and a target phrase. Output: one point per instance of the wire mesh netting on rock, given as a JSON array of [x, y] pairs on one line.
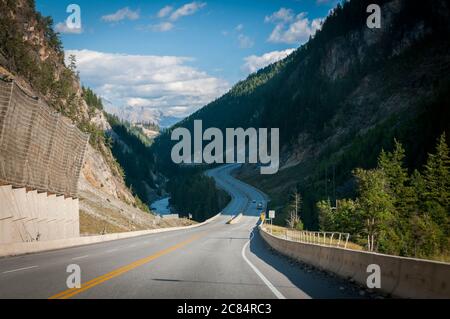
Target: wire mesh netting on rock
[[39, 148]]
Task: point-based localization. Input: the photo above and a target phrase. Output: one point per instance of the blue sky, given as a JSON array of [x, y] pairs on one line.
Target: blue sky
[[175, 56]]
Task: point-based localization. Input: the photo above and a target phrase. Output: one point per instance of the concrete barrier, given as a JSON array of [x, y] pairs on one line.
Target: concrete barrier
[[14, 249], [27, 216], [170, 216], [400, 276]]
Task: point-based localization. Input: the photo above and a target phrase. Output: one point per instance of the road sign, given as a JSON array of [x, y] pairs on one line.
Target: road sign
[[271, 214]]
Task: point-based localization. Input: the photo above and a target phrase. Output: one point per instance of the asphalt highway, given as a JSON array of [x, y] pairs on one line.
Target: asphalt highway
[[215, 260]]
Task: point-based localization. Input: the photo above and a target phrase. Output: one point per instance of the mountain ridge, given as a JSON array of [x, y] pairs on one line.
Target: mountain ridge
[[333, 96]]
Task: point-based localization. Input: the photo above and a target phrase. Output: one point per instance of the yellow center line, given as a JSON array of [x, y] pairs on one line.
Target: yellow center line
[[115, 273]]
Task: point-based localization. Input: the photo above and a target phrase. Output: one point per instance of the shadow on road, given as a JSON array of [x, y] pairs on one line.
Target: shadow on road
[[313, 282]]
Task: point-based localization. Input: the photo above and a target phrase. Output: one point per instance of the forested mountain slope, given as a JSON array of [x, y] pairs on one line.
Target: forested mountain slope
[[342, 97], [130, 147]]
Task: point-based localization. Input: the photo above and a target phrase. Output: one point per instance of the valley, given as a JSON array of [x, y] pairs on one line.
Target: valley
[[183, 151]]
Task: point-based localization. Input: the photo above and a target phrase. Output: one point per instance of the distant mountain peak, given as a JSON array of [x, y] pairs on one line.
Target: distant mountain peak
[[141, 114]]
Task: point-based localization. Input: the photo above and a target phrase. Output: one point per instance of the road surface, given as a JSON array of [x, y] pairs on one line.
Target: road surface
[[211, 261]]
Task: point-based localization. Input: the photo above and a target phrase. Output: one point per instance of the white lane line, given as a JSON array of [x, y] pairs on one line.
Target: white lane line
[[275, 291], [80, 257], [14, 270], [111, 250], [132, 246]]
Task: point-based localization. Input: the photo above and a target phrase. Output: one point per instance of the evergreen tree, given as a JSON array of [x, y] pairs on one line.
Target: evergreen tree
[[437, 190], [343, 218], [402, 194], [73, 65], [376, 207], [418, 184], [426, 236], [397, 213], [326, 217], [346, 211], [437, 176]]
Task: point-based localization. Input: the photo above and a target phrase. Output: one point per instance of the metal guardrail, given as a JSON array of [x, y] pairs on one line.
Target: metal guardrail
[[329, 239]]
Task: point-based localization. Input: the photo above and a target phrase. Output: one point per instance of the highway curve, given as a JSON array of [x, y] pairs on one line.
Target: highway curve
[[216, 260]]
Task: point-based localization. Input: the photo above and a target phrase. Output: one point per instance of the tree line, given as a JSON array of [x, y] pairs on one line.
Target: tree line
[[395, 211], [196, 194]]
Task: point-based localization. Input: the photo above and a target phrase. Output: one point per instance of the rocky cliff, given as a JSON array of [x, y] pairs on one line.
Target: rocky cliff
[[32, 54]]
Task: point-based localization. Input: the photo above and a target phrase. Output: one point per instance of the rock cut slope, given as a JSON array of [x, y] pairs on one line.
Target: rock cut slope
[[31, 53]]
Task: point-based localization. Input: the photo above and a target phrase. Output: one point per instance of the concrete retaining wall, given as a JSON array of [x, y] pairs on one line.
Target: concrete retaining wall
[[400, 276], [29, 216], [14, 249]]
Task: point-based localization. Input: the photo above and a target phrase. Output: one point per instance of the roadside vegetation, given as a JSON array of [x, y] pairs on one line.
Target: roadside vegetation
[[396, 211]]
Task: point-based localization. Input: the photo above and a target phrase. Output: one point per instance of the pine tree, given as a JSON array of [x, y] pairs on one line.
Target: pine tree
[[376, 207], [426, 236], [392, 165], [326, 217], [402, 194], [73, 64], [397, 213], [437, 190], [346, 219], [437, 175], [418, 184]]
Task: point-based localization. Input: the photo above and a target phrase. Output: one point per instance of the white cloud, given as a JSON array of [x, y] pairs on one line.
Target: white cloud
[[186, 10], [253, 63], [282, 15], [164, 12], [161, 27], [145, 82], [62, 27], [331, 2], [121, 14], [170, 15], [245, 42], [239, 27], [292, 29], [316, 24]]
